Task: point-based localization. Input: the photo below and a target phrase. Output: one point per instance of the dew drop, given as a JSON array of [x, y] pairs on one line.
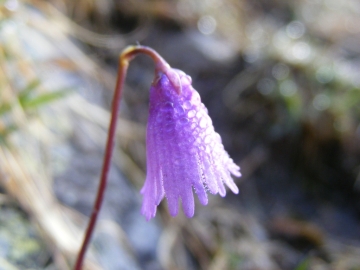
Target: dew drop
[[198, 141], [166, 92], [186, 80], [168, 106], [189, 78], [184, 121], [209, 130], [167, 117], [191, 113], [195, 97], [169, 127], [192, 150], [203, 122], [186, 129], [217, 137], [190, 139], [198, 130], [207, 139], [159, 118], [187, 105], [179, 110]]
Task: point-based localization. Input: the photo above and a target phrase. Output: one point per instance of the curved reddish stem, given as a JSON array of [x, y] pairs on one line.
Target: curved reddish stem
[[126, 56]]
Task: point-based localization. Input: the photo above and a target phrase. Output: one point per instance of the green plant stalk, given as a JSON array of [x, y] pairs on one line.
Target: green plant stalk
[[126, 56]]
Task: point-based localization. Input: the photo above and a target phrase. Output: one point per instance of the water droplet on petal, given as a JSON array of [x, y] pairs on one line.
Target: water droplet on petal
[[195, 98], [198, 141], [203, 122], [166, 92], [189, 78], [167, 118], [186, 80], [186, 128], [217, 137], [169, 127], [187, 105], [190, 139], [159, 118], [191, 113], [207, 139], [203, 107], [192, 150], [179, 110], [168, 106], [184, 121]]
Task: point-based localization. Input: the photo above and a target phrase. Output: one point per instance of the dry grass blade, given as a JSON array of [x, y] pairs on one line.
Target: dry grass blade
[[126, 129], [24, 174], [23, 184], [114, 41], [128, 133], [7, 265]]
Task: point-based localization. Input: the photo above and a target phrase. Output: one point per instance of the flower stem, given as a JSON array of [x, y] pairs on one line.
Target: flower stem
[[126, 56]]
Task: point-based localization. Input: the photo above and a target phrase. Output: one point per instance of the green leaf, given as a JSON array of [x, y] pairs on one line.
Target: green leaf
[[304, 265], [44, 99], [4, 108], [25, 93], [352, 98], [6, 132]]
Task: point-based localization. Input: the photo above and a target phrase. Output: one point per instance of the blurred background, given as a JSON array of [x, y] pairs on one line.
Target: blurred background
[[281, 82]]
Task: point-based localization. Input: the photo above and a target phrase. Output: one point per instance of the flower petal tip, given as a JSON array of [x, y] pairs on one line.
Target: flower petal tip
[[235, 190]]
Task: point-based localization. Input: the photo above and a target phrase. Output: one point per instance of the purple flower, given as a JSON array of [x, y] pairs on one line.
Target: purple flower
[[183, 150]]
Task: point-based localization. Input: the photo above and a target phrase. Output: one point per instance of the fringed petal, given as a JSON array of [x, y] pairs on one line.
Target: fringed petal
[[183, 150]]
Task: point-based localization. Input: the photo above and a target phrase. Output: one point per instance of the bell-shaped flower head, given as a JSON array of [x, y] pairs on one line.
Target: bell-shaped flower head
[[184, 153]]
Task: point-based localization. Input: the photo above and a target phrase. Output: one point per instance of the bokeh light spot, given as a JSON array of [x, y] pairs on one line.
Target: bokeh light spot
[[207, 25], [280, 71], [295, 29], [266, 86], [11, 5], [288, 88], [324, 74], [301, 51], [321, 102]]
